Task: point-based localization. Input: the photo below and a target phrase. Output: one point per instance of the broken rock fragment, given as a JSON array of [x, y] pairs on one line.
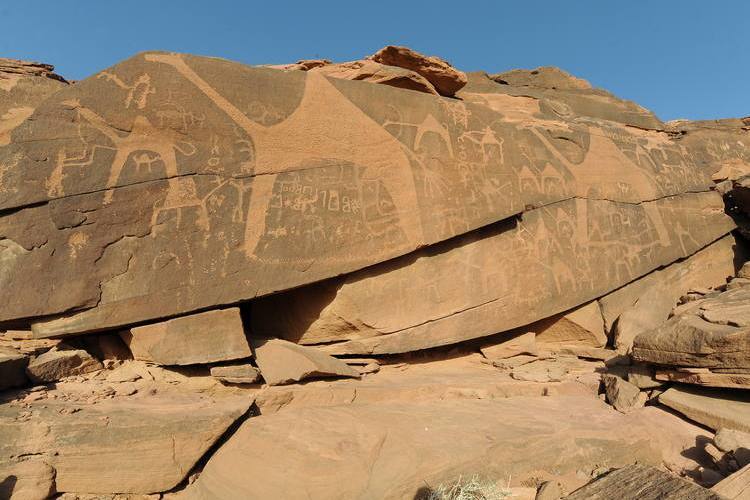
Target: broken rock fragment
[[282, 362], [57, 363], [207, 337], [236, 373]]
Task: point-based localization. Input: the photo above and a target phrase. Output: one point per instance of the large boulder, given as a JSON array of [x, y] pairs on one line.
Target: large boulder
[[177, 183]]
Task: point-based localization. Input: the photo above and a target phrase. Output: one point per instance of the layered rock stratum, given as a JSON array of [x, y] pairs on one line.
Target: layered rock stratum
[[365, 279]]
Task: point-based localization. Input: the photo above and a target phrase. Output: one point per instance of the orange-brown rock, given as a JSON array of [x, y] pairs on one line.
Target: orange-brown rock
[[445, 78]]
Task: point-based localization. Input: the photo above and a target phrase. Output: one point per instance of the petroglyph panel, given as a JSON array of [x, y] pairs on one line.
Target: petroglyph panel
[[172, 183], [502, 277]]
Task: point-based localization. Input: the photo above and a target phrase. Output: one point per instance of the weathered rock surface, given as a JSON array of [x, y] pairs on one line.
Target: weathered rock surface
[[174, 173], [714, 408], [642, 482], [446, 79], [712, 333], [390, 449], [59, 363], [240, 373], [283, 362], [206, 337], [493, 280], [125, 445]]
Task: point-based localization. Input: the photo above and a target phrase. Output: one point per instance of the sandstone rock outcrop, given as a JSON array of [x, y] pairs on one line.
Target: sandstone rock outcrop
[[446, 79], [311, 281], [239, 373], [12, 369]]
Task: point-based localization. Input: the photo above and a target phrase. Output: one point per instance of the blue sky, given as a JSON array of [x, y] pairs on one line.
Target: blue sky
[[682, 59]]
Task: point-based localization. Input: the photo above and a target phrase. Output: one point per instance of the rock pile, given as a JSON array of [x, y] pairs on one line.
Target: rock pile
[[352, 280]]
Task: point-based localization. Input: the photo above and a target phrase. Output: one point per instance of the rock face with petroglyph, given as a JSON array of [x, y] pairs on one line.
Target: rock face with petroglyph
[[300, 281]]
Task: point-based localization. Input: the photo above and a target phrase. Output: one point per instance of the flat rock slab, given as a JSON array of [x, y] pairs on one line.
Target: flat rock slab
[[642, 482], [553, 259], [283, 362], [128, 445], [207, 337], [390, 450], [714, 408]]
